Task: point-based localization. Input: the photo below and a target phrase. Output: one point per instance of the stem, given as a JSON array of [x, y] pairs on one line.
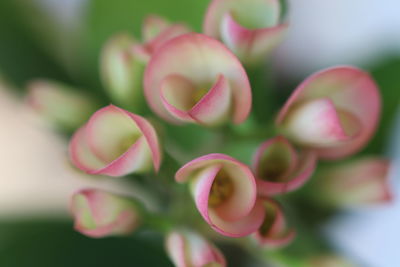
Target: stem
[[264, 97]]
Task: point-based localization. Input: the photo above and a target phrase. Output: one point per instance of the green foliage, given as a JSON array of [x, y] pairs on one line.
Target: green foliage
[[53, 243], [387, 75]]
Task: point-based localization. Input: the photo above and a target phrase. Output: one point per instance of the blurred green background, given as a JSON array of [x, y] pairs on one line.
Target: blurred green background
[[38, 42]]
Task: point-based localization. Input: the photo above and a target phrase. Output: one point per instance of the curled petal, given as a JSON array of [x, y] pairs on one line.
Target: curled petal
[[249, 28], [318, 123], [250, 14], [62, 105], [242, 227], [80, 153], [274, 232], [361, 182], [297, 179], [354, 96], [280, 169], [213, 108], [237, 206], [135, 159], [225, 193], [282, 154], [251, 45], [98, 213], [198, 61], [115, 142], [189, 249]]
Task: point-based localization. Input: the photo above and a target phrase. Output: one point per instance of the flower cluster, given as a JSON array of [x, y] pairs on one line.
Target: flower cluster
[[201, 79]]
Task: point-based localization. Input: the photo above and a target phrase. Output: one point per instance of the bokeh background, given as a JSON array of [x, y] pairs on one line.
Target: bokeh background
[[61, 40]]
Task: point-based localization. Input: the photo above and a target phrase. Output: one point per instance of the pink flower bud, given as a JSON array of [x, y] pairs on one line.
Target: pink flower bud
[[61, 105], [115, 142], [335, 112], [156, 31], [123, 59], [194, 78], [122, 70], [225, 192], [98, 213], [187, 249], [153, 26], [250, 28], [279, 168], [274, 233], [361, 182]]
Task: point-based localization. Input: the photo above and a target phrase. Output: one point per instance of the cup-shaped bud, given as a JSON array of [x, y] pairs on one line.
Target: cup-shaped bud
[[122, 70], [189, 249], [360, 182], [115, 142], [156, 31], [194, 78], [334, 111], [98, 213], [250, 28], [274, 232], [225, 192], [279, 168], [63, 106]]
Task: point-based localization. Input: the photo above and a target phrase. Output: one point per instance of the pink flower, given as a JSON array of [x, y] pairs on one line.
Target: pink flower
[[335, 112], [61, 105], [274, 232], [194, 78], [250, 28], [115, 142], [360, 182], [187, 249], [123, 59], [98, 213], [279, 168], [225, 192]]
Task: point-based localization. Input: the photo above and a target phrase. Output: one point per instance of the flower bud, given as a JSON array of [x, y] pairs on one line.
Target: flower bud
[[225, 192], [63, 106], [250, 28], [334, 112], [360, 182], [156, 31], [115, 142], [279, 168], [153, 26], [274, 233], [122, 70], [194, 78], [98, 213], [123, 59], [189, 249]]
